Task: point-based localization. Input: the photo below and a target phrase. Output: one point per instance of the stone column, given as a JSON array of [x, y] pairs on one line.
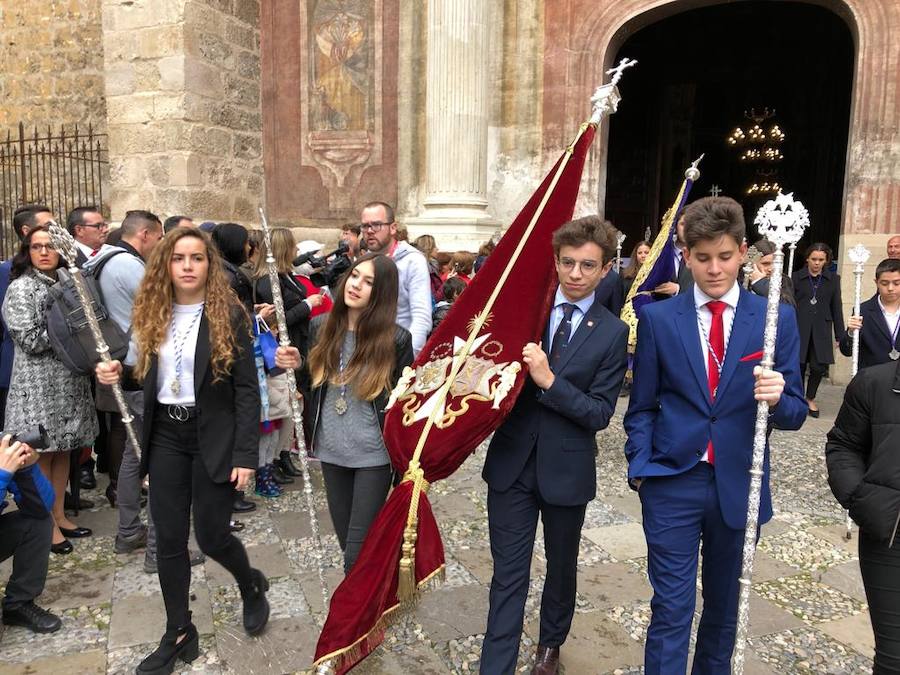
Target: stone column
[[455, 206]]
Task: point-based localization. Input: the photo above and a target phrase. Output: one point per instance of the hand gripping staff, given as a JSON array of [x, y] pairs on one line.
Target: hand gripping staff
[[782, 221], [296, 415], [65, 245]]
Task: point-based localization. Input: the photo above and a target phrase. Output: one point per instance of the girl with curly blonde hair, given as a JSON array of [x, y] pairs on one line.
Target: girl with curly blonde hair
[[193, 354]]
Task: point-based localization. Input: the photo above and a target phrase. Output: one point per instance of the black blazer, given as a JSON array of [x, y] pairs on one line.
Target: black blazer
[[874, 337], [818, 322], [611, 293], [296, 311], [861, 453], [560, 424], [315, 398], [227, 410]]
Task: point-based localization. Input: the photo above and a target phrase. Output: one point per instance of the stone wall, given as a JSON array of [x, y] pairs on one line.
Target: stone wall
[[182, 86], [51, 61]]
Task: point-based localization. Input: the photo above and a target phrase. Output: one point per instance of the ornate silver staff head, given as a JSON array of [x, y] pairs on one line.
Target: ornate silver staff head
[[63, 242], [606, 98], [692, 172], [620, 237], [782, 220], [858, 255]]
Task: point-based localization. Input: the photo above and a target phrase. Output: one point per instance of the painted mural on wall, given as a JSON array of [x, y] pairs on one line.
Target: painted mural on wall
[[342, 79], [341, 106]]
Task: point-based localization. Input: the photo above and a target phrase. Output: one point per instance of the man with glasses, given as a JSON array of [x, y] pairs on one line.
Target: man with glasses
[[87, 225], [541, 461], [379, 230]]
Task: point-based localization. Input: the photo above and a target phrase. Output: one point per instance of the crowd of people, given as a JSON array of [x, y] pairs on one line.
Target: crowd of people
[[208, 395]]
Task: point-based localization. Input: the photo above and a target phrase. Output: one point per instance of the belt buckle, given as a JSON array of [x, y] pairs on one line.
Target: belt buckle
[[178, 412]]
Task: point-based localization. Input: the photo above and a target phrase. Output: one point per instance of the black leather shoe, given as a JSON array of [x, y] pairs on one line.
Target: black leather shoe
[[33, 618], [87, 479], [162, 661], [280, 477], [242, 505], [236, 526], [256, 607], [70, 504], [112, 494], [813, 413], [287, 464], [76, 533], [62, 548]]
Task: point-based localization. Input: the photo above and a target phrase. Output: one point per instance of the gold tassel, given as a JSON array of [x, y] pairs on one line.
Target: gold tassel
[[406, 587]]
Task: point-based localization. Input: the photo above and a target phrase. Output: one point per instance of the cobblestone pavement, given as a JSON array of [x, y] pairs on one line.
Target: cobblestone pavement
[[808, 606]]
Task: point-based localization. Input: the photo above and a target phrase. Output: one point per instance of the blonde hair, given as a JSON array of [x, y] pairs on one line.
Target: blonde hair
[[283, 250], [152, 313]]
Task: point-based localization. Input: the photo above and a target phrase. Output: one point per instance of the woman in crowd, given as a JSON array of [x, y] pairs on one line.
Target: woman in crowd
[[638, 255], [42, 390], [817, 292], [189, 324], [233, 243], [864, 474], [444, 261], [357, 356], [427, 245], [297, 306], [463, 265]]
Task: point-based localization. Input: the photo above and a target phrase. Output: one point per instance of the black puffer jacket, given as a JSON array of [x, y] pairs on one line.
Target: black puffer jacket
[[863, 452]]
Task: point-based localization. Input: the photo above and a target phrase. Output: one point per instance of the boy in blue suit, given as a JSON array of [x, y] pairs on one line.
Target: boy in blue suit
[[690, 426]]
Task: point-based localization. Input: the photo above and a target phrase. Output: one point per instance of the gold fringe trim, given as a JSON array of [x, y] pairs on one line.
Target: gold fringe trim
[[351, 654]]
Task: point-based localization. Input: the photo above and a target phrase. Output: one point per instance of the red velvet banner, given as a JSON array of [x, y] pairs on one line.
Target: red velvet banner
[[486, 374]]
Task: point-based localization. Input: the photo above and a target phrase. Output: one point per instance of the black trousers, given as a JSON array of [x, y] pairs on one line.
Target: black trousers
[[27, 540], [512, 522], [880, 568], [354, 498], [816, 370], [178, 480]]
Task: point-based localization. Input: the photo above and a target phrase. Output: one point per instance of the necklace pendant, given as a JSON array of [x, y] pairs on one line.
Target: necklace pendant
[[813, 300], [175, 387], [340, 406], [894, 354]]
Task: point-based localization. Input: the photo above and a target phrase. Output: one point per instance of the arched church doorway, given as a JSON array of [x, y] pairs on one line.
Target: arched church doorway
[[762, 88]]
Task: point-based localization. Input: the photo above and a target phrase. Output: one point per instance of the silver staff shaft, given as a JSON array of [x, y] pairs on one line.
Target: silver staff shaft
[[854, 361], [66, 247], [793, 249], [756, 469], [296, 414]]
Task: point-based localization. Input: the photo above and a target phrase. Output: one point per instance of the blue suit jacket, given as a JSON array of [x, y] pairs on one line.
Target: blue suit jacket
[[670, 416], [874, 338], [561, 423]]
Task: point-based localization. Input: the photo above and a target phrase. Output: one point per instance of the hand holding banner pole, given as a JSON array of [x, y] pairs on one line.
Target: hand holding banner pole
[[65, 245], [859, 254], [284, 340], [781, 221]]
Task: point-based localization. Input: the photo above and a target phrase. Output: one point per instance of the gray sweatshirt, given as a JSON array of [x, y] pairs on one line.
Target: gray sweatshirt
[[414, 302]]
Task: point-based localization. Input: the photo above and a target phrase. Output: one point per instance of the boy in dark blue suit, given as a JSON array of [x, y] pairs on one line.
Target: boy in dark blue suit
[[541, 461], [690, 425], [878, 320]]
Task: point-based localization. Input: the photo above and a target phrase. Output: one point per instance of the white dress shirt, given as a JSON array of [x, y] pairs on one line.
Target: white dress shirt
[[704, 324], [182, 316], [890, 319]]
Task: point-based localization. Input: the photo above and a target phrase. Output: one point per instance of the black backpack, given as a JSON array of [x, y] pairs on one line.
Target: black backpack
[[70, 335]]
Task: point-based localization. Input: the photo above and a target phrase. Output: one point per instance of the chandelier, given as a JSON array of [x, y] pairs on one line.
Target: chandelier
[[759, 143]]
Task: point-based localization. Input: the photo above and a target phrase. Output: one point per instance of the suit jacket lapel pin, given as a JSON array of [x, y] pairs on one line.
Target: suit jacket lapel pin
[[590, 324]]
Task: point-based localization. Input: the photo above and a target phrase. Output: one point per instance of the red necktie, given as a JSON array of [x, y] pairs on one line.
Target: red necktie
[[95, 252], [717, 345]]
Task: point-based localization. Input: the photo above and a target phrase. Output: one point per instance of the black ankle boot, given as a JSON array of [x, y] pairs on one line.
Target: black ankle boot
[[162, 661], [256, 607], [280, 476], [286, 462]]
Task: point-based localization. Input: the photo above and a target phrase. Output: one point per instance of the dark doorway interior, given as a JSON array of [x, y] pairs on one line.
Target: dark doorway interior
[[699, 72]]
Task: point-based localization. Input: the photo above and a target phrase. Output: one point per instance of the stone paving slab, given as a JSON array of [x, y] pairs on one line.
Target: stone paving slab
[[622, 542]]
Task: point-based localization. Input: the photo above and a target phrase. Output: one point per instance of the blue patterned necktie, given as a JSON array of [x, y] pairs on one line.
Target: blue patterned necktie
[[562, 335]]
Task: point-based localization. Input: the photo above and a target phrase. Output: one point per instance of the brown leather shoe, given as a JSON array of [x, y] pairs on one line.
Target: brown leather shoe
[[546, 662]]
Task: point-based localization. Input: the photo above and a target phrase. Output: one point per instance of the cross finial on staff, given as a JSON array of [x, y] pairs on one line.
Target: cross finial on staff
[[715, 190], [619, 69]]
